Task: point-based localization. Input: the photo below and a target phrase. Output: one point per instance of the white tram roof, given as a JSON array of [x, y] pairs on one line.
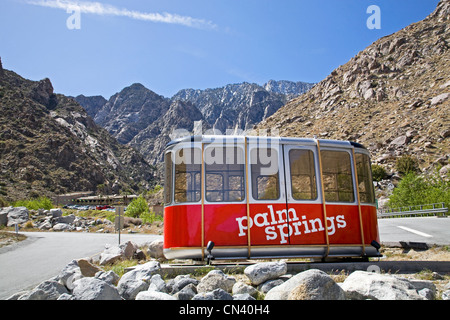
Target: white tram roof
[[255, 139]]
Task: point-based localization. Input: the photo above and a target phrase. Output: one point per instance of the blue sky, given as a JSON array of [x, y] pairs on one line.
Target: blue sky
[[176, 44]]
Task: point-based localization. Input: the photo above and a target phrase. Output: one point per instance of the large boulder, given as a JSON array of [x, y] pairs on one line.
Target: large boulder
[[361, 285], [180, 282], [66, 219], [47, 290], [94, 289], [156, 249], [216, 279], [137, 280], [70, 273], [125, 250], [87, 269], [157, 283], [62, 227], [55, 213], [312, 284], [14, 215], [110, 276], [243, 288], [262, 272]]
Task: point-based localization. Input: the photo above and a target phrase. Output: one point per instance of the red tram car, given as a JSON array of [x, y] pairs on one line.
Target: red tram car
[[267, 197]]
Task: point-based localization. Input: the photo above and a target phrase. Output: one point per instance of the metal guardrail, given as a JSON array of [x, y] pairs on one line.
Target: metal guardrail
[[422, 210]]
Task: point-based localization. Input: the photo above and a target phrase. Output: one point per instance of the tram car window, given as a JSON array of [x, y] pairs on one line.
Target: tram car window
[[225, 175], [303, 175], [365, 184], [265, 175], [188, 175], [337, 176]]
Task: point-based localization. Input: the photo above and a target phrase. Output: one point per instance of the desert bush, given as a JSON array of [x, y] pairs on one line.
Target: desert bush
[[378, 172], [407, 164]]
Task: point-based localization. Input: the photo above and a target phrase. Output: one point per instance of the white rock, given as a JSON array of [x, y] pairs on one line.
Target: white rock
[[137, 280], [243, 288], [216, 279], [440, 98], [262, 272], [94, 289], [367, 285], [312, 284], [154, 295], [47, 290]]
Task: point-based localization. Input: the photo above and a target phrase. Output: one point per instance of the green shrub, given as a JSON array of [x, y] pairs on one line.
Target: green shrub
[[150, 217], [35, 204], [378, 172], [407, 164], [418, 190], [137, 207]]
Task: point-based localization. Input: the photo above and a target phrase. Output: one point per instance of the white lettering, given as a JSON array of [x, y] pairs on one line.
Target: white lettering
[[242, 228], [305, 224], [271, 233], [296, 226], [283, 229], [283, 234], [264, 217], [341, 221], [272, 215], [331, 229]]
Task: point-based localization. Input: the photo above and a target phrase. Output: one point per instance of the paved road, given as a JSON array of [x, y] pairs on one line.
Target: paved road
[[44, 254], [431, 230]]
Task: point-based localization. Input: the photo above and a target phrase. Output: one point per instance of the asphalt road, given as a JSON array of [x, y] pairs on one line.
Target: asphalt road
[[430, 230], [44, 254]]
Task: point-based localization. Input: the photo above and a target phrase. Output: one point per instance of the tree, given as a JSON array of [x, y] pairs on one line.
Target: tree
[[137, 207], [418, 190]]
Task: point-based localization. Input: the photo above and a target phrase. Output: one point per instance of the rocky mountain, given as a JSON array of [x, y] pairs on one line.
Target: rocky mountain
[[139, 117], [235, 106], [393, 97], [288, 88], [152, 140], [128, 112], [92, 105], [50, 145]]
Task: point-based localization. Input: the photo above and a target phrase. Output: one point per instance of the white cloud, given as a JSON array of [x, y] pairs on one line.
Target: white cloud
[[105, 9]]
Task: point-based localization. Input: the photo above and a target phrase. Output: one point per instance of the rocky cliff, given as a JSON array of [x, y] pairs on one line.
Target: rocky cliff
[[50, 145], [241, 106], [393, 97]]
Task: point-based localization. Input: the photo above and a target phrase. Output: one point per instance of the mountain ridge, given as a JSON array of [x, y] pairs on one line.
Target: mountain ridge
[[141, 118]]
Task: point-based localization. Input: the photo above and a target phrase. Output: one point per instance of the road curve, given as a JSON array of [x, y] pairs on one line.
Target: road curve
[[43, 255]]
